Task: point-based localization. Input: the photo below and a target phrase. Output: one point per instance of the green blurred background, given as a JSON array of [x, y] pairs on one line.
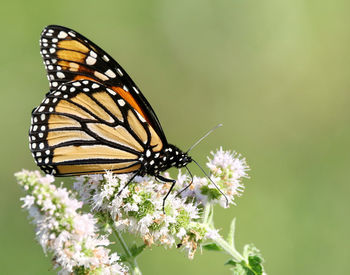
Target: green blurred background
[[275, 73]]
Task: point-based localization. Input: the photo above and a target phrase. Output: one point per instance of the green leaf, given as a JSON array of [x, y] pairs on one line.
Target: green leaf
[[231, 234], [212, 193], [212, 247], [254, 266], [231, 262], [123, 257], [136, 250], [255, 263]]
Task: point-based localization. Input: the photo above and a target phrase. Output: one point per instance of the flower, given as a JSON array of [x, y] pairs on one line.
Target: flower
[[227, 170], [64, 231]]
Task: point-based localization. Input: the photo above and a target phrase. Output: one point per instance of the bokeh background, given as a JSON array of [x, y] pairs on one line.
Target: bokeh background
[[275, 73]]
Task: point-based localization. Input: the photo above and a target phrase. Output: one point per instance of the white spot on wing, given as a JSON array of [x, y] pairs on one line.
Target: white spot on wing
[[119, 72], [90, 60], [121, 102], [93, 54], [110, 73], [140, 117], [62, 35], [60, 75], [111, 91]]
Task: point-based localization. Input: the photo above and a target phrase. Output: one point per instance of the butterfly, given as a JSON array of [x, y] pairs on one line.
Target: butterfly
[[94, 118]]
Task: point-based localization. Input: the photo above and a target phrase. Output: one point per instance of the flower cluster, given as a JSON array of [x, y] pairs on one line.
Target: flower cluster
[[227, 170], [138, 207], [63, 231]]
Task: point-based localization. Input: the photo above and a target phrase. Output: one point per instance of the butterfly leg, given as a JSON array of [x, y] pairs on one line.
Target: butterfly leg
[[163, 179], [126, 185]]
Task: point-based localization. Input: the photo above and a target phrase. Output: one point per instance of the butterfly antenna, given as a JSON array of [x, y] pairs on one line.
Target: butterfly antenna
[[203, 137], [217, 187]]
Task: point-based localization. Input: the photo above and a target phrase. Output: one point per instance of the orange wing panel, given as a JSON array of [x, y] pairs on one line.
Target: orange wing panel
[[128, 98]]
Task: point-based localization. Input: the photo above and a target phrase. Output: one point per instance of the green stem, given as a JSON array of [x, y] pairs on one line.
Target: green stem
[[220, 241], [228, 248], [206, 212], [135, 270]]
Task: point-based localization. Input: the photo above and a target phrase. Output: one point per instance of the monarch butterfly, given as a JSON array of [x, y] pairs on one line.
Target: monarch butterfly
[[94, 118]]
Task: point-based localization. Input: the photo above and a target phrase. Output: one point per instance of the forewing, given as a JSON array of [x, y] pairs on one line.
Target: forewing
[[69, 56], [84, 127]]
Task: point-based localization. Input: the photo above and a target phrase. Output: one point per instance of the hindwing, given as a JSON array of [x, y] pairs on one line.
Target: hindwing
[[84, 127]]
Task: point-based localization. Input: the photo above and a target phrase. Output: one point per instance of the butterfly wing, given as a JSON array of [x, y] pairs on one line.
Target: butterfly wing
[[84, 127], [69, 56]]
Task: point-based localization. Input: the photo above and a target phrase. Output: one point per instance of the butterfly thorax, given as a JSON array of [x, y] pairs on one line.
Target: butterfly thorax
[[170, 156]]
